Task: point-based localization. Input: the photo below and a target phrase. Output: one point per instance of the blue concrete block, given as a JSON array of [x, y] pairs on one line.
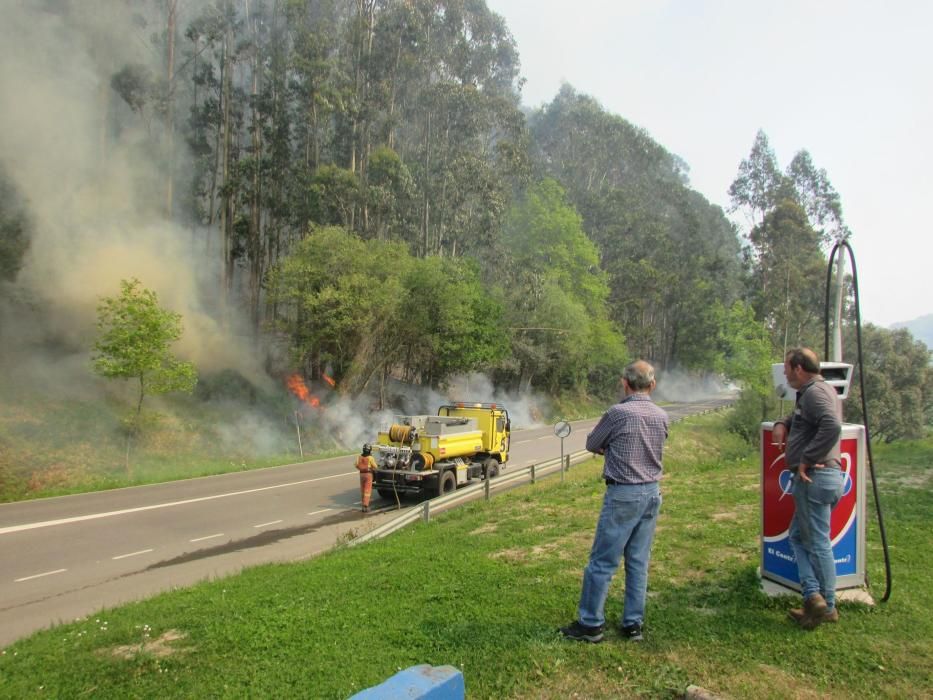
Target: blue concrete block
[[422, 682]]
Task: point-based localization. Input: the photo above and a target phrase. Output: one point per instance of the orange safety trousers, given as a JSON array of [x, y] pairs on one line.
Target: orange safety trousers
[[366, 479]]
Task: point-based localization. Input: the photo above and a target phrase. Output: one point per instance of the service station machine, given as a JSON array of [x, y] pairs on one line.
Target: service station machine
[[847, 524]]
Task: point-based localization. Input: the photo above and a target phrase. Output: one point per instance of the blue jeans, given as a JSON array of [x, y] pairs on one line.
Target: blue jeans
[[809, 531], [626, 527]]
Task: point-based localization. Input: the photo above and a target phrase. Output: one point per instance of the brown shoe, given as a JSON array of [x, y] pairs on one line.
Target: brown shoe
[[814, 610], [797, 614]]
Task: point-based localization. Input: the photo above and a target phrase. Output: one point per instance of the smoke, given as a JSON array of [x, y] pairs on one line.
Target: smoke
[[524, 411], [677, 385], [93, 178]]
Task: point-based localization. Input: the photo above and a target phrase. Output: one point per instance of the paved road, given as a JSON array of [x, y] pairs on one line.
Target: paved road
[[63, 558]]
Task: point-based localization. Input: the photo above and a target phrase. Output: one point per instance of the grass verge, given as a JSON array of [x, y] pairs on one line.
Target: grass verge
[[485, 587]]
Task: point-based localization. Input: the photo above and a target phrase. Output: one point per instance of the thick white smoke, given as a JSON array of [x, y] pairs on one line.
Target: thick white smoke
[[95, 191]]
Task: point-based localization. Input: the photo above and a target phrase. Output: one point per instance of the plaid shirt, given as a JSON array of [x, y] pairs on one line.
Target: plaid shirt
[[631, 434]]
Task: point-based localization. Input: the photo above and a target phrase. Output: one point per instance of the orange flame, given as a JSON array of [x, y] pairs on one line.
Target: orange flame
[[328, 380], [296, 385]]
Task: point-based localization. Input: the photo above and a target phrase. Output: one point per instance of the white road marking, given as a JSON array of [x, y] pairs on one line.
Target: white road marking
[[274, 522], [132, 554], [522, 442], [318, 512], [208, 537], [95, 516], [47, 573]]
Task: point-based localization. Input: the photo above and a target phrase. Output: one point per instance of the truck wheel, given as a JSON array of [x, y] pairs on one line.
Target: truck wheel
[[446, 482], [491, 467]]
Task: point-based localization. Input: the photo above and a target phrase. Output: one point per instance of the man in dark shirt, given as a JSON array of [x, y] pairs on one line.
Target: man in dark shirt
[[631, 435], [810, 439]]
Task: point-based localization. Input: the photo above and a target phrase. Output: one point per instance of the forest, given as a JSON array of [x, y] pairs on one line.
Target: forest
[[352, 191]]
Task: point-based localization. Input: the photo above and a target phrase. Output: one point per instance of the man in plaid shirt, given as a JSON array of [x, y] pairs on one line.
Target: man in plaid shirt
[[631, 435]]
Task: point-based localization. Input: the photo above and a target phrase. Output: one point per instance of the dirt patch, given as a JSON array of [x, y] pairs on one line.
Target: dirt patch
[[488, 527], [614, 683], [911, 481], [725, 516], [160, 647], [516, 554], [570, 548], [764, 678]]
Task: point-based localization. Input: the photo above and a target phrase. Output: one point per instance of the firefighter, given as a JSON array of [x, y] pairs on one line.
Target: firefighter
[[367, 467]]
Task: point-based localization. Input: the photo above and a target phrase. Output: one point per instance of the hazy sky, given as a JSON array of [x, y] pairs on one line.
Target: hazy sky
[[849, 81]]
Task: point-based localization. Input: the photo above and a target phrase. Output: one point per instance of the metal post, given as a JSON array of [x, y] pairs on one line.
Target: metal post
[[486, 487], [562, 430], [298, 428], [840, 287], [562, 459], [532, 473], [567, 468], [426, 511]]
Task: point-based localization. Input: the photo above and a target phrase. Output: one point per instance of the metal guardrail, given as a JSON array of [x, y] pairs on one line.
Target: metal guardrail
[[486, 487]]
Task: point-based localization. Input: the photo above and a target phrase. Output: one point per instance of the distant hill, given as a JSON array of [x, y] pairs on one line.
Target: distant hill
[[921, 328]]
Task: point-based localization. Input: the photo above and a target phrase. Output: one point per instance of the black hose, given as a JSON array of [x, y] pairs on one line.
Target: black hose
[[861, 376]]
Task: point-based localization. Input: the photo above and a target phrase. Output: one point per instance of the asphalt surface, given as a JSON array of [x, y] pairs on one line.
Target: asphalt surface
[[69, 557]]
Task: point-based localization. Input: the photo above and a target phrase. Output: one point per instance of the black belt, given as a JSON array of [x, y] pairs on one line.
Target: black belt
[[613, 482]]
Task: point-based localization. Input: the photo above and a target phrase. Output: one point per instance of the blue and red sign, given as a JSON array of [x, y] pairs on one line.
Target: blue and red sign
[[777, 506]]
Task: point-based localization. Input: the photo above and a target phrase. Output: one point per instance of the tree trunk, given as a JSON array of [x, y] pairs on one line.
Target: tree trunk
[[170, 114], [226, 217], [255, 218]]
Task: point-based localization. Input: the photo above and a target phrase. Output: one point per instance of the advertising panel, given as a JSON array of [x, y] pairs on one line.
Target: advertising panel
[[847, 526]]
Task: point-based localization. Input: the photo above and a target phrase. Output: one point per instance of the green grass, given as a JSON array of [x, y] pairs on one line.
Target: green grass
[[485, 587]]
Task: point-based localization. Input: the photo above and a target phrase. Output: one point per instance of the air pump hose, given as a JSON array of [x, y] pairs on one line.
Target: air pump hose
[[861, 376]]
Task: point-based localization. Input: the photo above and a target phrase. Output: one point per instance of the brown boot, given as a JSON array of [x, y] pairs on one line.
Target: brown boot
[[814, 610], [797, 614]]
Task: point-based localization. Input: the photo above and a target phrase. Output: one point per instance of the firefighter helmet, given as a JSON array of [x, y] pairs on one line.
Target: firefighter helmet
[[367, 449]]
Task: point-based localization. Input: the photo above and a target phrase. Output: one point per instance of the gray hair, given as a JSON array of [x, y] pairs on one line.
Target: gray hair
[[639, 375]]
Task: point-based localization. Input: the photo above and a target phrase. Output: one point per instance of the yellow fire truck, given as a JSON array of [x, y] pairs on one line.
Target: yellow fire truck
[[433, 455]]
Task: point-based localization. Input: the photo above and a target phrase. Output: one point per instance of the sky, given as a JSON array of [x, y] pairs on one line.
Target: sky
[[849, 81]]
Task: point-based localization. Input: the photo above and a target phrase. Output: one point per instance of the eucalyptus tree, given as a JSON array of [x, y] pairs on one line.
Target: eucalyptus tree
[[671, 257], [898, 382], [556, 295], [755, 188], [817, 196], [795, 214], [789, 275], [760, 186], [454, 91]]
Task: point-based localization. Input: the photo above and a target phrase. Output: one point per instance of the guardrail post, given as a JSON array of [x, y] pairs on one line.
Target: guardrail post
[[567, 463], [532, 473], [486, 487], [426, 511]]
